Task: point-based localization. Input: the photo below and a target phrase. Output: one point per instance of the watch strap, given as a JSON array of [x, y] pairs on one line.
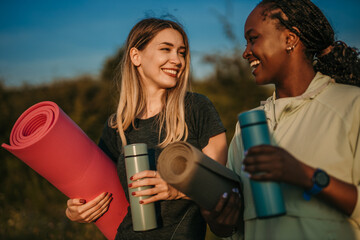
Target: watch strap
[[315, 188]]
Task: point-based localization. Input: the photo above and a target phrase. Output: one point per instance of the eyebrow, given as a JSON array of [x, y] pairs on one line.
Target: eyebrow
[[171, 45], [248, 32]]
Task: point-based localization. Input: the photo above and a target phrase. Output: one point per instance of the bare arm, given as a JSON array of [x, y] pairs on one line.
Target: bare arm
[[217, 148]]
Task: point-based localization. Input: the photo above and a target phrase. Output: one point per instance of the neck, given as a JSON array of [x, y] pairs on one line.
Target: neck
[[154, 104], [295, 83]]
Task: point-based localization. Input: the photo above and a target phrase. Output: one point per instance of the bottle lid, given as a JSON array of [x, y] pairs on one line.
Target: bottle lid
[[135, 149], [252, 117]]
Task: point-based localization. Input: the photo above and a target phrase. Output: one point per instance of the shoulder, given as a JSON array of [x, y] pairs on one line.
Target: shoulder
[[343, 89], [109, 133], [199, 106], [200, 110], [340, 96], [342, 102], [193, 99], [108, 140]]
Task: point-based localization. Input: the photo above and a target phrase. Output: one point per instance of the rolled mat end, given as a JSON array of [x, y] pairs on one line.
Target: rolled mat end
[[196, 175], [49, 142]]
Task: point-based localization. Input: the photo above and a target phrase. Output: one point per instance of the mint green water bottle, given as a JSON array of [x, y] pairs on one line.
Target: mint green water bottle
[[137, 160]]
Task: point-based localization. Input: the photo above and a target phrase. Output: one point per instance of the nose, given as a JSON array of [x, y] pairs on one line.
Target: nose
[[176, 59], [246, 54]]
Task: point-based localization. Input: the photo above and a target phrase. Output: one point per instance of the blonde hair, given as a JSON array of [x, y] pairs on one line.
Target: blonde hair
[[132, 100]]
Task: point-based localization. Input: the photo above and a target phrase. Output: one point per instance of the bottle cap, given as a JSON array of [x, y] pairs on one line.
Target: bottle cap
[[135, 149], [252, 117]]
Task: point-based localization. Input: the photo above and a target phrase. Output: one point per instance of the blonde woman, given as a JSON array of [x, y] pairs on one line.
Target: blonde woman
[[156, 108]]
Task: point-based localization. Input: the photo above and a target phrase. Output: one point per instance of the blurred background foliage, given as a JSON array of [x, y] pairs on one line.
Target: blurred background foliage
[[30, 207]]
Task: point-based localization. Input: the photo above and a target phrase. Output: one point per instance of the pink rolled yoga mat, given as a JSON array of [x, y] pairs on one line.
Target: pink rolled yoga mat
[[47, 140]]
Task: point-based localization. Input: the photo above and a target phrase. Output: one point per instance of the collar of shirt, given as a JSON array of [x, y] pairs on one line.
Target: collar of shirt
[[277, 109]]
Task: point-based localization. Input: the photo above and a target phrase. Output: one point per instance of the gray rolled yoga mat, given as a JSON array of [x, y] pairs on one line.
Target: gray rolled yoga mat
[[196, 175]]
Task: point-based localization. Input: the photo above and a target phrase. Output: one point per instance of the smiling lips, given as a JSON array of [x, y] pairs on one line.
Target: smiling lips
[[171, 72], [254, 65]]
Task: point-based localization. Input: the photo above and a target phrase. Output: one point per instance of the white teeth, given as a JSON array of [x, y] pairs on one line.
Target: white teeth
[[254, 63], [170, 71]]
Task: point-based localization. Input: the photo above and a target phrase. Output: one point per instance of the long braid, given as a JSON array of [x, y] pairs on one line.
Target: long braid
[[335, 59]]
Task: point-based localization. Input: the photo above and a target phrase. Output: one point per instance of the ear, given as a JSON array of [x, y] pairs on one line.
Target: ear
[[292, 39], [135, 56]]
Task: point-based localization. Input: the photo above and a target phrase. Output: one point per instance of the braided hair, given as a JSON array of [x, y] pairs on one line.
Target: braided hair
[[305, 19]]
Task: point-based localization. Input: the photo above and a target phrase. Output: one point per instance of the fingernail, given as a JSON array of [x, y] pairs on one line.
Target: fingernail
[[235, 190], [225, 195], [82, 201], [133, 193], [131, 178], [243, 167], [130, 185], [141, 202]]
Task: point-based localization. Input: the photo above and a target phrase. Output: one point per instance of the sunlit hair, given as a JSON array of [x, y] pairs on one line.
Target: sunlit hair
[[132, 101], [333, 58]]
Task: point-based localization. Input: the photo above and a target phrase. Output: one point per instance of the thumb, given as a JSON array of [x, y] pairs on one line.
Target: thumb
[[76, 202]]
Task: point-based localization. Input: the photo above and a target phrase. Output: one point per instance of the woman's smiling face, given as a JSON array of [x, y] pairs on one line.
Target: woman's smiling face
[[162, 61], [266, 47]]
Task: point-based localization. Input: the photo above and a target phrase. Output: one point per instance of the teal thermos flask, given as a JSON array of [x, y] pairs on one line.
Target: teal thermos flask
[[268, 198], [137, 160]]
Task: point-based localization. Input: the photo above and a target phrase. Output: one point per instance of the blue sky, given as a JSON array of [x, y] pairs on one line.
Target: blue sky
[[43, 40]]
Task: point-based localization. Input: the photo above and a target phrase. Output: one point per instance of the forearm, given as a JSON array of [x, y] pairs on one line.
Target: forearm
[[342, 195], [338, 193], [217, 148]]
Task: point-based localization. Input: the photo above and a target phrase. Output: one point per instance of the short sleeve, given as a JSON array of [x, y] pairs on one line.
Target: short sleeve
[[204, 120], [108, 142]]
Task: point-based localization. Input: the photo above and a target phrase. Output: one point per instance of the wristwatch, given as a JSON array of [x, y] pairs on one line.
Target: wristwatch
[[320, 180]]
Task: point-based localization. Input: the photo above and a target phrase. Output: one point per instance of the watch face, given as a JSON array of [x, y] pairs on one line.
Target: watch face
[[321, 179]]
